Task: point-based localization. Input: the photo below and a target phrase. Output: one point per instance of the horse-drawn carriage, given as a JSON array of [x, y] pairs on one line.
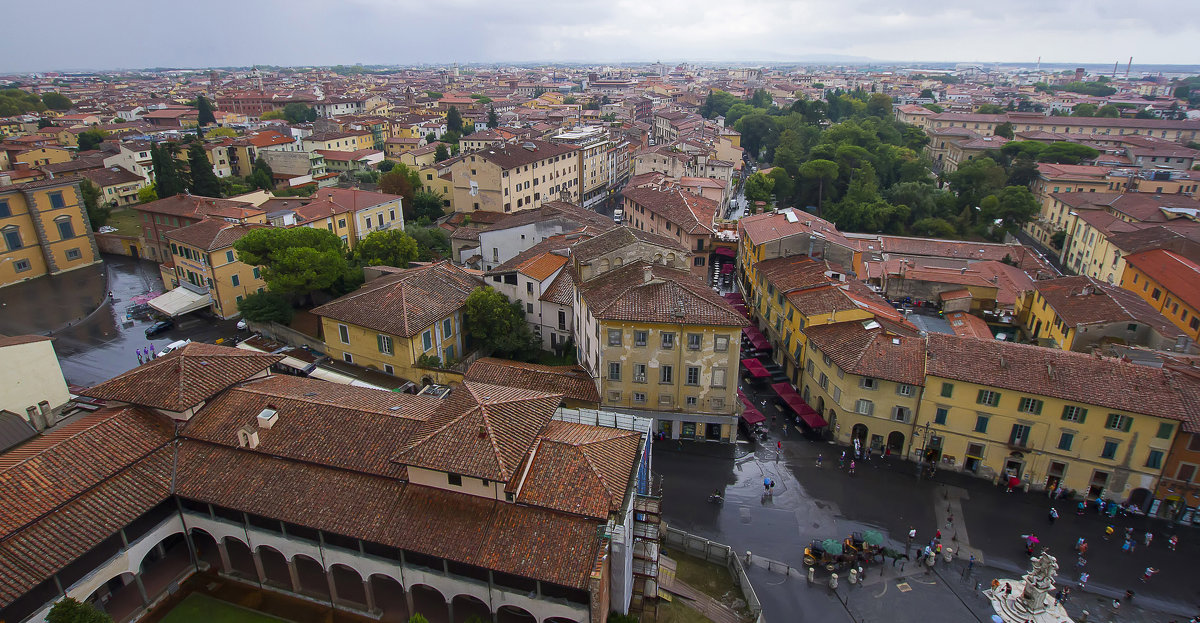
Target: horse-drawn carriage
[[857, 549]]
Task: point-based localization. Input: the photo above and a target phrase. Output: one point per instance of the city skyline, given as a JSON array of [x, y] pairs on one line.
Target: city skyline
[[385, 32]]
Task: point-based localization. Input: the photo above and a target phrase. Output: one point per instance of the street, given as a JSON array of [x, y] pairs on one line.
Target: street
[[811, 502], [100, 347]]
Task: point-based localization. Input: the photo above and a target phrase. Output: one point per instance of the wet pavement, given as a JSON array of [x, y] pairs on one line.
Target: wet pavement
[[811, 502], [103, 345], [45, 304]]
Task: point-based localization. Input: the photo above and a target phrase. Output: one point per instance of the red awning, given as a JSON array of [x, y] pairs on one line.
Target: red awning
[[759, 340], [735, 297], [788, 394], [726, 251], [726, 269], [755, 367], [752, 416]]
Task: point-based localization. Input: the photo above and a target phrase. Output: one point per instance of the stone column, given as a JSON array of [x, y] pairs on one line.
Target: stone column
[[408, 600], [258, 566], [332, 586], [450, 609], [137, 579], [370, 595], [295, 575], [224, 553]]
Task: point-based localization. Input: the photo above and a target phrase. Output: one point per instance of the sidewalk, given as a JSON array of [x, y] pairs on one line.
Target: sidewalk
[[52, 302]]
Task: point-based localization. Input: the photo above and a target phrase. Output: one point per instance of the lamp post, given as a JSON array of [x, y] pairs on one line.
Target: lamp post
[[924, 435]]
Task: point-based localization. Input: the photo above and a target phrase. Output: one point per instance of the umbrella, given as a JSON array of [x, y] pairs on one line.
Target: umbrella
[[997, 619], [872, 537], [832, 546]]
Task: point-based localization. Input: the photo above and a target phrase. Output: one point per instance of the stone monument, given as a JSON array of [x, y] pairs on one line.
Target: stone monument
[[1030, 598]]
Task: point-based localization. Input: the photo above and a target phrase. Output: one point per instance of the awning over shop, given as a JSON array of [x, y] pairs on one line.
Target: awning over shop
[[756, 338], [726, 269], [735, 297], [726, 251], [743, 310], [788, 394], [179, 301], [755, 368], [750, 415]]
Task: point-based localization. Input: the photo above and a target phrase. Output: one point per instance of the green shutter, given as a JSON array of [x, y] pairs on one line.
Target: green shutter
[[379, 341]]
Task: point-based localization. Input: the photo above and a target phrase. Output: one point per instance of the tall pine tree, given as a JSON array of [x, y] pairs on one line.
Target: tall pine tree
[[204, 181], [454, 121], [493, 120], [205, 110], [167, 181]]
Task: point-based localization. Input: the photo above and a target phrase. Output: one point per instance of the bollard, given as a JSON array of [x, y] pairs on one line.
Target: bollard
[[811, 572], [854, 576], [947, 554], [862, 576], [749, 557], [833, 581]]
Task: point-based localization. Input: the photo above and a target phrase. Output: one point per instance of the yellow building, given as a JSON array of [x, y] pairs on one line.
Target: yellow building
[[45, 230], [785, 233], [352, 140], [1056, 178], [408, 323], [1170, 283], [1046, 417], [203, 256], [41, 156], [662, 344], [866, 383], [510, 178], [1081, 313]]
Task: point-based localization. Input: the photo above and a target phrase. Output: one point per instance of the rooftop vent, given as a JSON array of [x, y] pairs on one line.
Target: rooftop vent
[[529, 146], [247, 437], [896, 341], [267, 417]]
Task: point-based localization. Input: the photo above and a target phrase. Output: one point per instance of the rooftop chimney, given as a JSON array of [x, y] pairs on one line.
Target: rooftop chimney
[[248, 437], [267, 417], [647, 274]]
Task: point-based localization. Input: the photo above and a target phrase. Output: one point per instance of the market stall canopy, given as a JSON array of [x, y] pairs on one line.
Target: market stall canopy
[[755, 368], [180, 301]]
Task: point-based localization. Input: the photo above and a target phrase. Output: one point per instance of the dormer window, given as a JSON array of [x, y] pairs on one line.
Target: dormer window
[[455, 480]]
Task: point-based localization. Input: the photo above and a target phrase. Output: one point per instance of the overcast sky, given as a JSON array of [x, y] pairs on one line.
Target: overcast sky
[[87, 34]]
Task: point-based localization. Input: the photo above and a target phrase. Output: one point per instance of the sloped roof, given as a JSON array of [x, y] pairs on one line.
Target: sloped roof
[[671, 295], [571, 381], [1177, 274], [183, 378], [1082, 300], [583, 470], [406, 302], [619, 237], [211, 234], [482, 430], [871, 352]]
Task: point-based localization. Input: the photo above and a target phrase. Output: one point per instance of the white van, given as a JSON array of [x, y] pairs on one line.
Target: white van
[[618, 215], [173, 346]]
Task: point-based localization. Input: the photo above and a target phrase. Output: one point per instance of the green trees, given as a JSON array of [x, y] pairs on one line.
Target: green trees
[[71, 611], [90, 139], [1084, 110], [427, 204], [391, 247], [432, 242], [819, 172], [296, 261], [760, 99], [1007, 210], [1004, 129], [147, 194], [17, 102], [493, 120], [204, 181], [169, 180], [717, 103], [990, 109], [204, 110], [266, 307], [297, 112], [759, 187], [454, 121], [879, 105], [98, 213], [498, 325], [1108, 110], [56, 101], [263, 177], [402, 181], [441, 153]]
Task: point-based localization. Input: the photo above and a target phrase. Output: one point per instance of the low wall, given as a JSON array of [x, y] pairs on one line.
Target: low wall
[[720, 554]]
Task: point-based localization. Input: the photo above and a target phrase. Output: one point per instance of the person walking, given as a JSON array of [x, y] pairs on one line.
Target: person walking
[[1053, 515], [851, 467], [1079, 544], [1066, 594], [1083, 579], [1108, 532], [818, 460], [971, 563], [1149, 573], [1148, 537], [1172, 542]]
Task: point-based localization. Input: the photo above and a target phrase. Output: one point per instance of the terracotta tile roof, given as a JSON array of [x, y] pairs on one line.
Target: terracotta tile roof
[[554, 210], [211, 234], [34, 553], [312, 211], [582, 470], [620, 237], [1083, 300], [511, 156], [343, 426], [821, 300], [110, 176], [544, 257], [768, 226], [966, 325], [184, 378], [15, 340], [691, 213], [1075, 377], [561, 290], [404, 303], [797, 272], [1177, 274], [671, 295], [570, 381], [482, 430], [521, 540], [871, 352], [197, 207]]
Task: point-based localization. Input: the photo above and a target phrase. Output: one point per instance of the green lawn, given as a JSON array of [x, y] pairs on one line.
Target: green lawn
[[197, 608], [126, 222]]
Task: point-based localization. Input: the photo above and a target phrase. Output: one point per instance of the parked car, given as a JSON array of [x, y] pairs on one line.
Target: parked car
[[173, 346], [159, 327]]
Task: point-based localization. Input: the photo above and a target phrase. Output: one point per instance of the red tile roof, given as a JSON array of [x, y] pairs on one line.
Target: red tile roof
[[1175, 273], [871, 352], [670, 295], [570, 381], [404, 303], [184, 378], [582, 470]]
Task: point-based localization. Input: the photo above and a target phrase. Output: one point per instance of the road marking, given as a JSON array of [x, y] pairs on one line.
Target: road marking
[[904, 587]]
